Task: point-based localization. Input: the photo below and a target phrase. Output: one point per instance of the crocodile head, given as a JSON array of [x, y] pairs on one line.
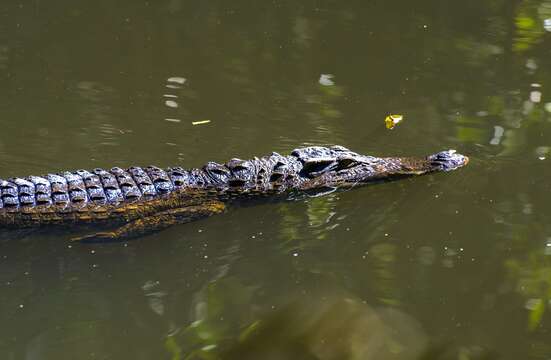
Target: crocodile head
[[338, 166], [319, 160]]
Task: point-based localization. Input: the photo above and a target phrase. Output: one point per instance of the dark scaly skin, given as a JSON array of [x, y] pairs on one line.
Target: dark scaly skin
[[152, 198]]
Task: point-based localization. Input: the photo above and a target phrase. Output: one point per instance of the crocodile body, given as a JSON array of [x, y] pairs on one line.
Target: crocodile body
[[127, 195]]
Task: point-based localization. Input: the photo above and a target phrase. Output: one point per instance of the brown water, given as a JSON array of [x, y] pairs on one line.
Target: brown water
[[450, 266]]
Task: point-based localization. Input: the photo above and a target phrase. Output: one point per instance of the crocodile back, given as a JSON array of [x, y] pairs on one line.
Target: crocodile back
[[83, 187]]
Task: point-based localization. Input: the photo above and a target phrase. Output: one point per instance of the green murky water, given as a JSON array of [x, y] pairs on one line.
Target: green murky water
[[452, 266]]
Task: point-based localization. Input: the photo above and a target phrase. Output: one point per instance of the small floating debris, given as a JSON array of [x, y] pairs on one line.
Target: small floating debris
[[392, 120], [542, 152], [499, 131], [174, 120], [177, 80], [326, 80], [535, 96], [201, 122], [171, 103]]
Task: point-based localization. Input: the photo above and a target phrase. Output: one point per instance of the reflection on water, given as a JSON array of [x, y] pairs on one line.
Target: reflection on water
[[451, 266]]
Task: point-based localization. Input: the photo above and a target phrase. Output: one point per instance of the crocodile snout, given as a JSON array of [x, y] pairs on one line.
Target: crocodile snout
[[448, 160]]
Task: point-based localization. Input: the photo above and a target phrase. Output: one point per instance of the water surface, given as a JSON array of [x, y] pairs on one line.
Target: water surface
[[447, 266]]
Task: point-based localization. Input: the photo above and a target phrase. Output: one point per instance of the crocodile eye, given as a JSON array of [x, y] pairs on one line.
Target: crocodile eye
[[218, 171], [317, 166], [346, 163]]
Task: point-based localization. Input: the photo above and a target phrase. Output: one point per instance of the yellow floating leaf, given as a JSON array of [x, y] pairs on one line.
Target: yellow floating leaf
[[200, 122], [392, 120]]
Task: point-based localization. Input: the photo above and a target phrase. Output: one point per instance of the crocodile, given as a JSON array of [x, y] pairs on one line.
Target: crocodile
[[138, 200]]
